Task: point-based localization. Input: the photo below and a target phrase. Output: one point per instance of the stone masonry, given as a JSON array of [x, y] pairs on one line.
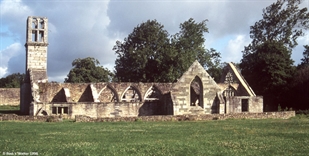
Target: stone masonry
[[195, 92]]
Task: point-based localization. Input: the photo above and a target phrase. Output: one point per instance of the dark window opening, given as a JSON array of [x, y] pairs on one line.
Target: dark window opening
[[54, 110], [60, 110], [244, 105]]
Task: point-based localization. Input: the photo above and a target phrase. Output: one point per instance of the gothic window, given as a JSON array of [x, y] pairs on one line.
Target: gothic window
[[196, 92], [131, 94], [108, 95], [37, 34]]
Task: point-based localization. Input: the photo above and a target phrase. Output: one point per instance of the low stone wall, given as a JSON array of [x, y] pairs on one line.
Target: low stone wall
[[14, 117], [264, 115], [9, 96], [83, 118]]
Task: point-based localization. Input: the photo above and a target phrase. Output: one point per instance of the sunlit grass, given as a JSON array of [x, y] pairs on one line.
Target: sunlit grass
[[229, 137]]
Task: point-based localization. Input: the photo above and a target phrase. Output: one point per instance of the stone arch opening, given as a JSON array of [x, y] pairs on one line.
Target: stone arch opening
[[196, 92], [152, 104], [108, 94], [131, 94]]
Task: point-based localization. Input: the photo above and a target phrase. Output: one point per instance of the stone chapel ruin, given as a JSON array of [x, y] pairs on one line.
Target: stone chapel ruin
[[195, 92]]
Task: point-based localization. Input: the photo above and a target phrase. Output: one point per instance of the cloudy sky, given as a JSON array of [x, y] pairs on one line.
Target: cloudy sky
[[90, 28]]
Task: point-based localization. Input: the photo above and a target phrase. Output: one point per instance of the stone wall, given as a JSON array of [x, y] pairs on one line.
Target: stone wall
[[204, 117], [9, 96]]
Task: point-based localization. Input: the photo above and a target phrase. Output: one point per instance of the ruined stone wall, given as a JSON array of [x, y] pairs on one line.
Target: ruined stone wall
[[9, 96], [256, 104], [101, 99], [205, 117], [80, 92]]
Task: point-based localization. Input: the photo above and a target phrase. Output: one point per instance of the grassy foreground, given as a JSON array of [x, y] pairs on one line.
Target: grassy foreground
[[229, 137]]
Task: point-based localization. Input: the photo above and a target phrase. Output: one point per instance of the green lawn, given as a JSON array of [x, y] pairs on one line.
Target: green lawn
[[229, 137]]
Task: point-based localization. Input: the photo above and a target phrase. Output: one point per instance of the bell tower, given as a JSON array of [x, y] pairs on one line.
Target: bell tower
[[36, 46], [36, 62]]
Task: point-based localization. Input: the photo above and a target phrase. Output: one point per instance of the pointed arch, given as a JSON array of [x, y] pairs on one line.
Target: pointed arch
[[196, 92], [229, 91], [153, 93], [131, 94], [108, 94]]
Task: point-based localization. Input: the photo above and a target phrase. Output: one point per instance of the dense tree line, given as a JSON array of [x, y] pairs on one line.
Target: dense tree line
[[12, 81], [267, 63]]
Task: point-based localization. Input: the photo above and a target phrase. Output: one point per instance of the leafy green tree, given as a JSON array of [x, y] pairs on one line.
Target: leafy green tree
[[12, 81], [266, 62], [149, 54], [283, 21], [144, 54], [189, 43], [88, 70]]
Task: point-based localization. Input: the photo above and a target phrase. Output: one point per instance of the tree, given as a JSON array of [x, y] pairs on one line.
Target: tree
[[149, 54], [282, 21], [88, 70], [12, 81], [145, 54], [189, 43], [266, 62]]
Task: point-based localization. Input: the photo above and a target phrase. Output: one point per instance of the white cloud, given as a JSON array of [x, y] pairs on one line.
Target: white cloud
[[232, 52], [2, 71], [9, 52]]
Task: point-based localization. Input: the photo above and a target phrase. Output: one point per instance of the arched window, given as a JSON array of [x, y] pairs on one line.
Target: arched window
[[108, 94], [131, 94], [196, 92]]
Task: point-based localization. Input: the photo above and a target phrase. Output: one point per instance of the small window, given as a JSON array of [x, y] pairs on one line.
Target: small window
[[65, 110], [41, 24], [34, 23], [244, 105], [60, 110], [34, 36], [41, 36]]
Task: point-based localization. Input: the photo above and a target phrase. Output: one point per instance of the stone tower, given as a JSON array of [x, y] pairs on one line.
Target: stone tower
[[36, 47], [36, 61]]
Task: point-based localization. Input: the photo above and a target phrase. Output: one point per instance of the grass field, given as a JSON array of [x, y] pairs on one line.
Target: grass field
[[228, 137]]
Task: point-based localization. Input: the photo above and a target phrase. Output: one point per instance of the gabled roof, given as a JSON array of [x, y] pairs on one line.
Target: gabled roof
[[241, 79]]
